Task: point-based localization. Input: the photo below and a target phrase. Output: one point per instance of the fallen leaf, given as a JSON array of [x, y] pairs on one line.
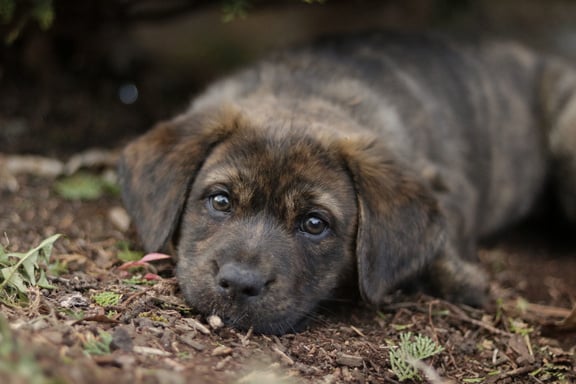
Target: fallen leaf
[[152, 277], [155, 257], [520, 344]]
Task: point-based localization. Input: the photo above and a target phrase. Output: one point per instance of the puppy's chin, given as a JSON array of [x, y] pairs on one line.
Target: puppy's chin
[[286, 323], [257, 314], [279, 309]]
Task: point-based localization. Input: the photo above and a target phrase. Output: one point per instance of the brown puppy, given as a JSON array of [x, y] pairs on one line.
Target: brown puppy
[[375, 160]]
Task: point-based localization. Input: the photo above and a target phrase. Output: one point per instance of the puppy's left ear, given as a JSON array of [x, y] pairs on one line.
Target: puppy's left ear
[[156, 171], [400, 227]]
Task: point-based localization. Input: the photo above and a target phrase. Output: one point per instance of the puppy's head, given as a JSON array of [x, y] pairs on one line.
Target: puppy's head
[[270, 221]]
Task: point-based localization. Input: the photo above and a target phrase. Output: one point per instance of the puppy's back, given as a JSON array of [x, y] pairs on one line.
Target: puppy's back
[[466, 110]]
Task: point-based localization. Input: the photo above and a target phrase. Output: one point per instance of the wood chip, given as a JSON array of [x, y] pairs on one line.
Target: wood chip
[[350, 360], [189, 341], [197, 325], [34, 165], [150, 351], [91, 158], [222, 350], [357, 331], [222, 363]]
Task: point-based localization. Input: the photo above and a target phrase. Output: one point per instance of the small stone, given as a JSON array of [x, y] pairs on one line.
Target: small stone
[[215, 322], [119, 218], [121, 339], [74, 300]]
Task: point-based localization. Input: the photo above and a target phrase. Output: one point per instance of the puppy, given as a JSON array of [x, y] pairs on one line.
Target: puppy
[[374, 161]]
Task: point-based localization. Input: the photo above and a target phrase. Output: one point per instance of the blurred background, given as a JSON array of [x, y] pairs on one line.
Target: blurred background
[[94, 73]]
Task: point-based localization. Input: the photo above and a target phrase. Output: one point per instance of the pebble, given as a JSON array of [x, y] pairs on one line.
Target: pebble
[[119, 218], [215, 322]]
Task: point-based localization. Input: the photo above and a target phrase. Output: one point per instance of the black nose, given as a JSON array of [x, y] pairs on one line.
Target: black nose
[[240, 281]]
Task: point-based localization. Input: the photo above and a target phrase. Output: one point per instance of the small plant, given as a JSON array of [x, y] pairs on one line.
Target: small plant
[[74, 314], [519, 327], [234, 9], [551, 372], [98, 345], [17, 14], [137, 280], [132, 269], [21, 271], [411, 348], [153, 316], [107, 299], [84, 186], [125, 254]]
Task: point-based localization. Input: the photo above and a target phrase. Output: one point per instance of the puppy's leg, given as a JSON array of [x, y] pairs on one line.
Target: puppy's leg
[[455, 274], [558, 94]]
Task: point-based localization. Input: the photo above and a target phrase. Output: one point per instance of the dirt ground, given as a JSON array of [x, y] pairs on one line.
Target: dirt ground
[[68, 334]]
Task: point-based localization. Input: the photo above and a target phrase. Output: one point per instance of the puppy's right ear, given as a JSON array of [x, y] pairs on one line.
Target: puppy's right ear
[[156, 171], [400, 226]]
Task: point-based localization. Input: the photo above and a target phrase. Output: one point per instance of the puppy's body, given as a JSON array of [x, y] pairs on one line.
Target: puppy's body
[[377, 159]]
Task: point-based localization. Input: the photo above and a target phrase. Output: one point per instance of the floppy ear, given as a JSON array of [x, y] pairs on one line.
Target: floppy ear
[[156, 171], [400, 227]]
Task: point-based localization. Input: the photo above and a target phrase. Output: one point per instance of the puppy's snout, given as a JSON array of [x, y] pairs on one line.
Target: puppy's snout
[[240, 281]]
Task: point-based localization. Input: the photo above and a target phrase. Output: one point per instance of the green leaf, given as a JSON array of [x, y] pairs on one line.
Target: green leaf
[[7, 8], [81, 186], [234, 9], [127, 255], [21, 269], [29, 265], [46, 247], [13, 279], [43, 12], [3, 254], [43, 281]]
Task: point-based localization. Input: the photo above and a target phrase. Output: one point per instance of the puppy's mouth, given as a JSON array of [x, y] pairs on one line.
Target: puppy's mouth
[[269, 312], [245, 298]]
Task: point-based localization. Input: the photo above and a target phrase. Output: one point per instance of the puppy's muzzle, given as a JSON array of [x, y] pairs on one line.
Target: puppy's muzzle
[[240, 282]]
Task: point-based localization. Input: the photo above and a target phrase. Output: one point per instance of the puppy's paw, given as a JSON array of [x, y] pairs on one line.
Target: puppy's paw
[[460, 281]]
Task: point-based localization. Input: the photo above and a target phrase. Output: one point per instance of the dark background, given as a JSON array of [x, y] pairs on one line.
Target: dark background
[[60, 86]]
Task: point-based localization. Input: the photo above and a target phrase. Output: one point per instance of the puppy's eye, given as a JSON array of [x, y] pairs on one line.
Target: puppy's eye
[[313, 225], [220, 202]]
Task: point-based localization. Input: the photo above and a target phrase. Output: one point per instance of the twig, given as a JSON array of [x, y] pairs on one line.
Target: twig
[[515, 372], [461, 315], [284, 357]]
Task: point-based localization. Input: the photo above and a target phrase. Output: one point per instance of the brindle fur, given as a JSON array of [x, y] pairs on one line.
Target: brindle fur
[[412, 149]]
